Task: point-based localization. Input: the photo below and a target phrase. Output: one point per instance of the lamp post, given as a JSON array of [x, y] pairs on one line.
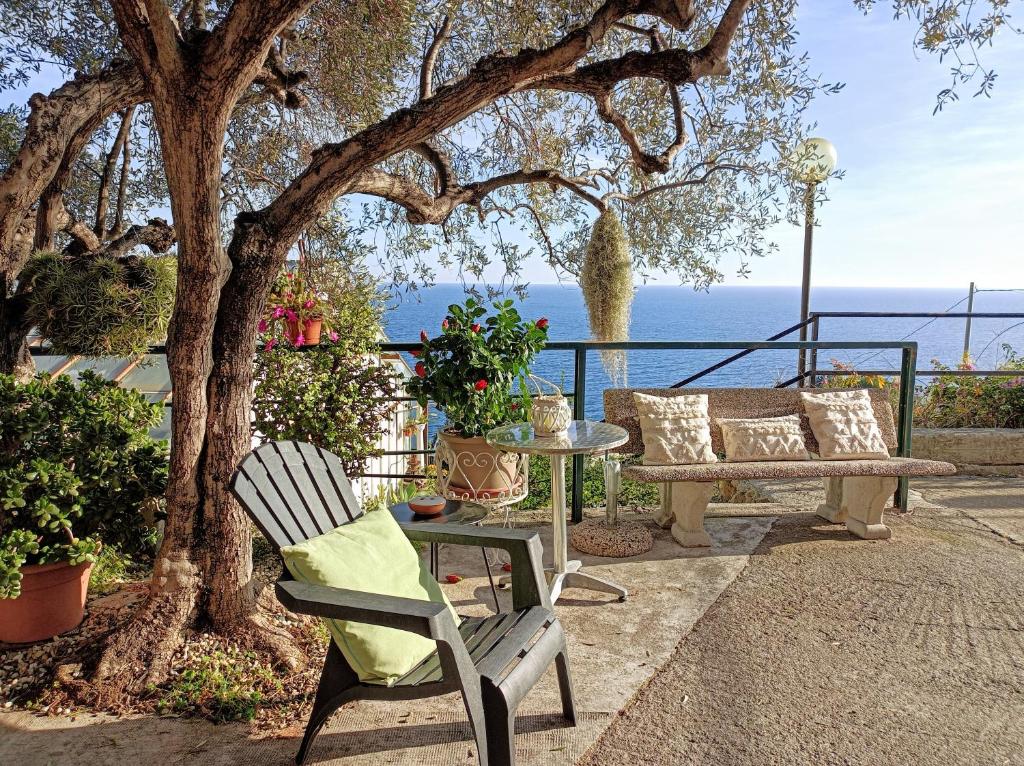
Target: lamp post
[[813, 162]]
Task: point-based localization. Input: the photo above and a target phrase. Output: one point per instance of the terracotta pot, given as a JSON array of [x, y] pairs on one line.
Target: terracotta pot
[[475, 468], [52, 601], [310, 331]]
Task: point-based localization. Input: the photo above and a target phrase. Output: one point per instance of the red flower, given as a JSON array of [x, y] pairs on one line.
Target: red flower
[[542, 323], [480, 385], [444, 325], [515, 406], [475, 327], [506, 567], [416, 353], [421, 369], [423, 336]]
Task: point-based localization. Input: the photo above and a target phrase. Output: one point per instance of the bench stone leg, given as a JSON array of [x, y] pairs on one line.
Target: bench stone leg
[[663, 515], [864, 498], [832, 509], [689, 500]]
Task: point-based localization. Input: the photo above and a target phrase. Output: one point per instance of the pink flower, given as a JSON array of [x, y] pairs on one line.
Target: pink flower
[[423, 336], [262, 326], [270, 344], [333, 336], [291, 316], [278, 312], [308, 304], [289, 275], [444, 325], [301, 339]]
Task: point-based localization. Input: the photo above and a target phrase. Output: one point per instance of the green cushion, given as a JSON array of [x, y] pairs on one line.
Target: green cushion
[[370, 555]]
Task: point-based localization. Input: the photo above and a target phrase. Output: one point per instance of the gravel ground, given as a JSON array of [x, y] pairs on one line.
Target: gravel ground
[[828, 650]]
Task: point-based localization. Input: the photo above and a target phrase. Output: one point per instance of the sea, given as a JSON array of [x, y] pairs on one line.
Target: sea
[[739, 313]]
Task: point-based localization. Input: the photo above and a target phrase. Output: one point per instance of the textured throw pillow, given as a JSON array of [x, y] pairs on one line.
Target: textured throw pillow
[[844, 424], [675, 429], [749, 439], [370, 555]]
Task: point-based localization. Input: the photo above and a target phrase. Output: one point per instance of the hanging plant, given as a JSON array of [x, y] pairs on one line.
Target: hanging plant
[[100, 305], [607, 281]]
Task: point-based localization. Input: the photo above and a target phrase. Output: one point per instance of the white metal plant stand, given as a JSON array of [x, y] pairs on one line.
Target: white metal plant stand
[[583, 437]]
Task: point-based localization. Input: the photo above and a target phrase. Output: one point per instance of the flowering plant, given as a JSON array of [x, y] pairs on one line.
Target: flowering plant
[[469, 370], [295, 303]]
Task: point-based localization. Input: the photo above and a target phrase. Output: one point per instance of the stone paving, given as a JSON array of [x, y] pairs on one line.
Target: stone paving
[[792, 642]]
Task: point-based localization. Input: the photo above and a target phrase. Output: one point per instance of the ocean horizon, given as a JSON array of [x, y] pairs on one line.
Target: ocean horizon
[[739, 313]]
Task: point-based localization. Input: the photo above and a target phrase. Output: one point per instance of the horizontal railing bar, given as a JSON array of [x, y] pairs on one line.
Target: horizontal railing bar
[[928, 373], [920, 314], [740, 355]]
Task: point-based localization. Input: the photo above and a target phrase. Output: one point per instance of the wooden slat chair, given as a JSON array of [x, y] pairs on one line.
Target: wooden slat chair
[[294, 491]]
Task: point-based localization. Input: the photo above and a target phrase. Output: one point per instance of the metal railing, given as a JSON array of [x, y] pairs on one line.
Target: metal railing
[[582, 349], [810, 372]]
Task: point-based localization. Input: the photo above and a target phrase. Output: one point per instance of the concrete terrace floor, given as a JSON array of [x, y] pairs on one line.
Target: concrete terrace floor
[[789, 643]]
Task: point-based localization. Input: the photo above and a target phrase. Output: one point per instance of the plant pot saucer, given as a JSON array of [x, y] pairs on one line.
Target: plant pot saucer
[[428, 505]]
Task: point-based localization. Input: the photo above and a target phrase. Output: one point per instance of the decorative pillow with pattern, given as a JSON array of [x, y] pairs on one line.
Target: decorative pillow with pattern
[[844, 424], [676, 429], [748, 439]]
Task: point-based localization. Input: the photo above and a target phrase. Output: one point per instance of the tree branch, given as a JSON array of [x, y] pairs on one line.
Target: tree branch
[[103, 197], [53, 124], [238, 45], [157, 235], [688, 180], [430, 59], [335, 168], [423, 208]]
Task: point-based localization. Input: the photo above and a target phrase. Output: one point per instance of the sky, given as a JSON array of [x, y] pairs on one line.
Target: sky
[[926, 200]]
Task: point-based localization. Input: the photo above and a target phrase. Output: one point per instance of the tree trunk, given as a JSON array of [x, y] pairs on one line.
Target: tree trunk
[[203, 572]]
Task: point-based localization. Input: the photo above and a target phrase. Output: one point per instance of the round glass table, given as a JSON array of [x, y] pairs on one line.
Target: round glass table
[[584, 437]]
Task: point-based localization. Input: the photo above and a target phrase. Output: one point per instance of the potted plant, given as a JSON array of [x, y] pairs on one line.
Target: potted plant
[[76, 466], [469, 371], [298, 306]]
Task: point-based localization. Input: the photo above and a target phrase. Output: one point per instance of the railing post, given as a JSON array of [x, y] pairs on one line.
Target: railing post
[[905, 424], [967, 325], [814, 351], [579, 407]]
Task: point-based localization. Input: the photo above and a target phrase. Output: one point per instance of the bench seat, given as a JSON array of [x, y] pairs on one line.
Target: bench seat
[[856, 491], [788, 469]]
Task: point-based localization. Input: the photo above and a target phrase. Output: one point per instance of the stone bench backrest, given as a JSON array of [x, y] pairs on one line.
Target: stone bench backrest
[[619, 408]]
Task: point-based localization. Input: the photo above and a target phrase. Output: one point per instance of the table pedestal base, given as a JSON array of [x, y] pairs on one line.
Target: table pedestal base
[[572, 577]]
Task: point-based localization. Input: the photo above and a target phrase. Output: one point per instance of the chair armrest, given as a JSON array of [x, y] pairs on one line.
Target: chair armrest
[[425, 618], [529, 588]]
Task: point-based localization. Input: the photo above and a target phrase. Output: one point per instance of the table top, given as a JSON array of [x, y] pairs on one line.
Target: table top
[[583, 437], [455, 512]]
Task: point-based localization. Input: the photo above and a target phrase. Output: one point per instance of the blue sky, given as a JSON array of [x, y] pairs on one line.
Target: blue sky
[[927, 201]]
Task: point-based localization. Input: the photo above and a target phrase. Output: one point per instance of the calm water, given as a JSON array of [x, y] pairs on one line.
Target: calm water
[[738, 313]]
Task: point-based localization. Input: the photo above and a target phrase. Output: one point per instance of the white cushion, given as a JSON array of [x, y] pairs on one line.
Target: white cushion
[[844, 424], [676, 429], [763, 438]]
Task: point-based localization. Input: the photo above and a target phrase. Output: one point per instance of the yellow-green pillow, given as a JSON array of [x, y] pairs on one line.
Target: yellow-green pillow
[[370, 555]]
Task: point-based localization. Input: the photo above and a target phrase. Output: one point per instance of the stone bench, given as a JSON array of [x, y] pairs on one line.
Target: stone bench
[[856, 491]]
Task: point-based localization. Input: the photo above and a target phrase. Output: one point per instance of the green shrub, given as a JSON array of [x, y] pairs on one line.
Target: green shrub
[[76, 466], [956, 401], [100, 305], [338, 395], [631, 493]]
